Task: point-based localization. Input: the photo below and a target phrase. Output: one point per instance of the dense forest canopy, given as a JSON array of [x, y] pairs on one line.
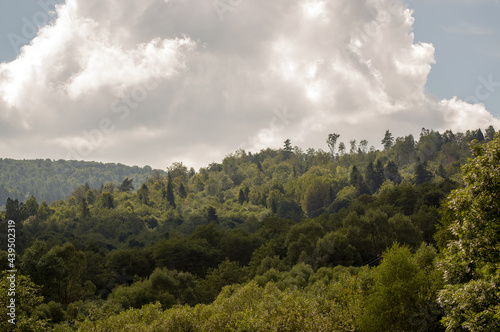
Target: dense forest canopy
[[283, 239]]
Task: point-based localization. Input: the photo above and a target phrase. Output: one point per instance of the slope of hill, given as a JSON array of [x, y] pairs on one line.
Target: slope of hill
[[310, 237], [53, 180]]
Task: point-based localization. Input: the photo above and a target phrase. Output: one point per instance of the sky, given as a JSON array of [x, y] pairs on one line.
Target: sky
[[161, 81]]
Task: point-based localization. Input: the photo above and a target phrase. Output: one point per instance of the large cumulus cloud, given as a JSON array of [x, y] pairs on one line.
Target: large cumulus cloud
[[154, 82]]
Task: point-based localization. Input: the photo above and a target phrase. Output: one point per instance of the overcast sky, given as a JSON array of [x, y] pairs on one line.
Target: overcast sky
[[156, 81]]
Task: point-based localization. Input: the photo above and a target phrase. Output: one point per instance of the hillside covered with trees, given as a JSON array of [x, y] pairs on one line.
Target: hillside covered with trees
[[352, 239], [50, 180]]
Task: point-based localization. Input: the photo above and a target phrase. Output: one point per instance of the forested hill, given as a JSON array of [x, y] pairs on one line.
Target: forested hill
[[353, 239], [49, 180]]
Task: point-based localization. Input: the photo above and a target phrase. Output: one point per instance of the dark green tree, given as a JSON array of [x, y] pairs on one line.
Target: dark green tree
[[287, 148], [490, 134], [107, 200], [182, 191], [143, 194], [354, 176], [30, 207], [212, 214], [357, 180], [422, 174], [83, 208], [479, 135], [374, 176], [247, 191], [315, 197], [13, 210], [391, 172], [126, 185], [241, 197], [170, 193], [259, 166], [44, 211], [441, 171]]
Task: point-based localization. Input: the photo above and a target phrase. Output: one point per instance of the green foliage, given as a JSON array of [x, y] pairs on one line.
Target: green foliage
[[50, 180], [237, 308], [404, 293], [51, 311], [126, 185], [232, 241], [422, 175], [26, 298], [471, 258], [170, 193]]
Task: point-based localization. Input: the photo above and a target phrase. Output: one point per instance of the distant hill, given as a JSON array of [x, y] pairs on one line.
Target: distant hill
[[54, 180]]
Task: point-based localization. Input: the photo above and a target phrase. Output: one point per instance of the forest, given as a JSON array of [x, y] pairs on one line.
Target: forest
[[405, 238], [50, 180]]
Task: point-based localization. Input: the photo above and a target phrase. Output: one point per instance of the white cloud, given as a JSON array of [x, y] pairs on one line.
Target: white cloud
[[157, 81]]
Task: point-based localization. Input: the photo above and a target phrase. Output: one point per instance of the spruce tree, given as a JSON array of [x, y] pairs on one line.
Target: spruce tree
[[422, 175], [241, 197], [170, 192], [182, 191]]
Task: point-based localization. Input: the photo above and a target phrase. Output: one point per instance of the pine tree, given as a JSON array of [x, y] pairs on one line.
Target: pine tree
[[354, 175], [259, 166], [212, 214], [379, 173], [374, 176], [422, 174], [247, 191], [107, 200], [241, 197], [441, 171], [274, 206], [490, 134], [84, 208], [182, 191], [126, 185], [391, 172], [170, 192], [370, 177], [12, 210], [143, 194], [287, 149], [479, 136]]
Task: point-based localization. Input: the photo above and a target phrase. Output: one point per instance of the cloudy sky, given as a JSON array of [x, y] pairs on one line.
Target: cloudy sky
[[156, 81]]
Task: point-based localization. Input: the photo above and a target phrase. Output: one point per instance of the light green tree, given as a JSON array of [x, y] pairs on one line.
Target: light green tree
[[26, 299], [404, 293], [471, 261]]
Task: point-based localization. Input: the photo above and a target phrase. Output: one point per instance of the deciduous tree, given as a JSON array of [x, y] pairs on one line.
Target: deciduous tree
[[471, 261]]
